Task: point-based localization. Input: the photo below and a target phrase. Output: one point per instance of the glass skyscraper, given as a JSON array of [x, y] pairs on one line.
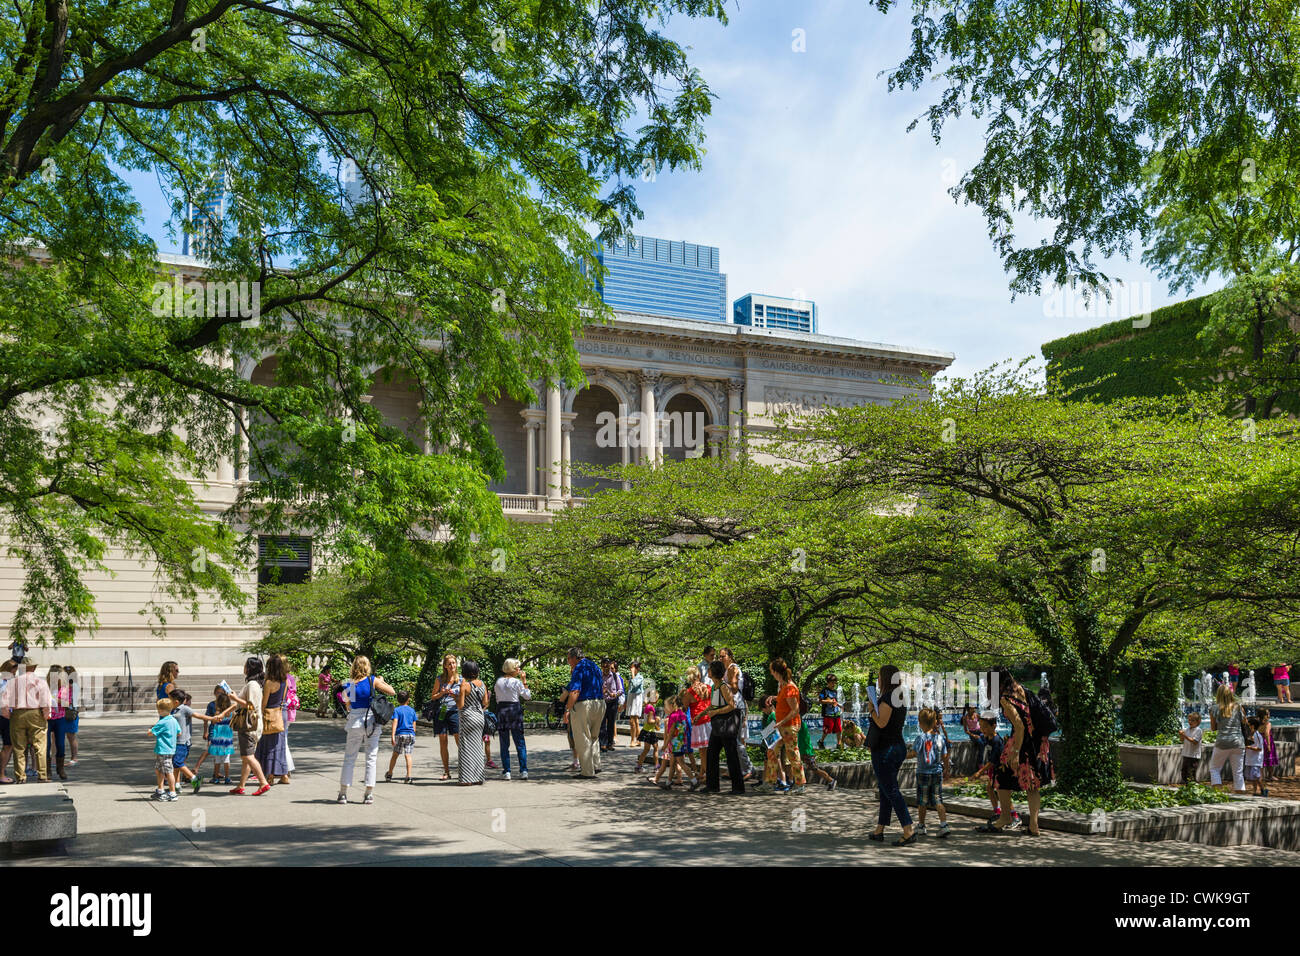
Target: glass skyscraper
[[774, 312], [207, 218], [677, 280]]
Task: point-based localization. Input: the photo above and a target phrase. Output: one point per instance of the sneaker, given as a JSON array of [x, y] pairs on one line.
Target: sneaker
[[505, 774], [944, 830], [780, 787], [196, 783], [795, 790], [920, 830], [343, 798], [168, 797], [157, 795], [72, 763], [214, 779], [832, 785], [524, 775], [369, 798]]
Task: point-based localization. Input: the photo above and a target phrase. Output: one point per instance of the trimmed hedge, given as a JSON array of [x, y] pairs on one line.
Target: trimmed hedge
[[1146, 362]]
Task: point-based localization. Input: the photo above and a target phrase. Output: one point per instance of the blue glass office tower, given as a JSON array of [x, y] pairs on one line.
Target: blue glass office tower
[[774, 312], [677, 280], [207, 217]]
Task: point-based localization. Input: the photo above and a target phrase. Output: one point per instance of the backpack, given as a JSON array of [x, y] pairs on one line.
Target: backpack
[[489, 722], [803, 704], [1045, 723], [747, 691]]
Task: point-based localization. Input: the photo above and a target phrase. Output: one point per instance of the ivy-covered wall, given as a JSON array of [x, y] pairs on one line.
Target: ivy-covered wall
[[1142, 362]]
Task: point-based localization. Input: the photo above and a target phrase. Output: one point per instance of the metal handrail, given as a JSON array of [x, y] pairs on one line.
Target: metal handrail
[[130, 681]]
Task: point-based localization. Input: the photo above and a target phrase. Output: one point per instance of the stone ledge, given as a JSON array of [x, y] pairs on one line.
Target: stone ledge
[[36, 813]]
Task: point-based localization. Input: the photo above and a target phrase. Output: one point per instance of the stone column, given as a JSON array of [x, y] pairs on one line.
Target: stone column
[[530, 450], [566, 461], [714, 437], [554, 445], [243, 462], [735, 392], [623, 448], [649, 419]]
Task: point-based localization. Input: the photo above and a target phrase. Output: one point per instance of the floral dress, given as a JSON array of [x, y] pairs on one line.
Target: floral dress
[[1035, 769]]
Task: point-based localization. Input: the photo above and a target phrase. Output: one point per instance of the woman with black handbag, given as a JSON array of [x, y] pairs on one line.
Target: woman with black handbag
[[724, 718]]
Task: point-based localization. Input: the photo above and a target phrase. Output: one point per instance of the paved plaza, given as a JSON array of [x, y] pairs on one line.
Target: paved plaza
[[550, 819]]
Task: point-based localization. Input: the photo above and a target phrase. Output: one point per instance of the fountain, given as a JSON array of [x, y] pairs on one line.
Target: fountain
[[857, 698], [1042, 681], [1248, 688]]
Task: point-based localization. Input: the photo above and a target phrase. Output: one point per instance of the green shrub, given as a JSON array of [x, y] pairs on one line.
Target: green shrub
[[1127, 798]]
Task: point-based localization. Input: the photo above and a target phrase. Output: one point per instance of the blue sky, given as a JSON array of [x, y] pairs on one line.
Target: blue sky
[[813, 188], [812, 183]]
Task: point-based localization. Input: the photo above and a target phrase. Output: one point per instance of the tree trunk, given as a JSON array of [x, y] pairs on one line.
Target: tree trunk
[[779, 640], [1151, 692], [1089, 751], [429, 671]]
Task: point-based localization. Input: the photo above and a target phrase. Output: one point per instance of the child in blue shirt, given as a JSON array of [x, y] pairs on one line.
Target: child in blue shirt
[[932, 763], [402, 734], [165, 733]]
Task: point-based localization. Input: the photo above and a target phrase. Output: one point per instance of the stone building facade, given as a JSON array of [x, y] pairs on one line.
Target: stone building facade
[[702, 384]]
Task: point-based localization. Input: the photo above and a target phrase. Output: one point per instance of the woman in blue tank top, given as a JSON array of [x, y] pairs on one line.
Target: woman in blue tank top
[[361, 731]]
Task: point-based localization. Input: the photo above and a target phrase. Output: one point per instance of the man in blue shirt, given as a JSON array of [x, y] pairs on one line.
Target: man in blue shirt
[[584, 711]]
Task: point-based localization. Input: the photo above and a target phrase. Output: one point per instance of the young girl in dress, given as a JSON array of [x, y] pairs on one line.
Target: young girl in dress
[[677, 745], [1270, 748], [649, 734], [221, 739]]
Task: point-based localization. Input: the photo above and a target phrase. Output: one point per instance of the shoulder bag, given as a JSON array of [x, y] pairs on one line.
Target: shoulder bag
[[726, 725], [273, 717]]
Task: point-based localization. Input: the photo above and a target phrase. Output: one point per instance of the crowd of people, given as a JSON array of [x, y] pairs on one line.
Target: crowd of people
[[39, 719], [683, 737]]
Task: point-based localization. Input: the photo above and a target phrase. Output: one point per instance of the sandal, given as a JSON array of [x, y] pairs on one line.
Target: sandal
[[261, 790], [877, 837], [388, 777], [238, 791], [907, 840], [445, 776], [6, 779], [989, 828]]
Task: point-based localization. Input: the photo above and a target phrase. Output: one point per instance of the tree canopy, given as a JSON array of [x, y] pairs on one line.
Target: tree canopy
[[413, 189]]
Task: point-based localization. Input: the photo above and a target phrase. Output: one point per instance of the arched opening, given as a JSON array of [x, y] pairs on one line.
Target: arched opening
[[394, 395], [682, 424], [271, 447], [506, 421], [596, 436]]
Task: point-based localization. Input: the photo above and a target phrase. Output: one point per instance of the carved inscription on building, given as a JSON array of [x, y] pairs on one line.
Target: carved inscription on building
[[778, 401]]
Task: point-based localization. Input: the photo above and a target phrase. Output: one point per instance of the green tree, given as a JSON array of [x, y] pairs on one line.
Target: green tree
[[414, 186], [1174, 126], [1088, 521]]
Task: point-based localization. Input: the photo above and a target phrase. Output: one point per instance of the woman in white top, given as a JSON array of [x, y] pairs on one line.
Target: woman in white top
[[250, 698], [635, 705], [511, 690]]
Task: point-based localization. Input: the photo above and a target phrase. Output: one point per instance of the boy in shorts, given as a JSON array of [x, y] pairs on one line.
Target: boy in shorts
[[164, 733], [932, 764], [183, 714], [403, 734]]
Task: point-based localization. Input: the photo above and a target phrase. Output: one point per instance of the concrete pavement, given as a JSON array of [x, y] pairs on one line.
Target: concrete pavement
[[551, 819]]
